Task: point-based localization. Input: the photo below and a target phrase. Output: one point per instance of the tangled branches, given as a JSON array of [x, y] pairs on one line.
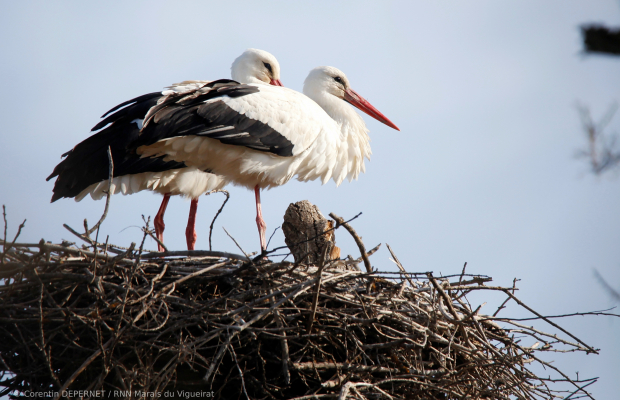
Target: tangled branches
[[125, 319]]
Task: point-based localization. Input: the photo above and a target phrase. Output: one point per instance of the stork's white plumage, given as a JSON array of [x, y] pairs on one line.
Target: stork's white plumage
[[126, 121], [261, 136]]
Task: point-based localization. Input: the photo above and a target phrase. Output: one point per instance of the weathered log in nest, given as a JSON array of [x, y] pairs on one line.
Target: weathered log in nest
[[103, 317]]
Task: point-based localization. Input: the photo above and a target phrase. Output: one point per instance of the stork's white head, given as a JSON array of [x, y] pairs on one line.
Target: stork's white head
[[324, 82], [256, 66]]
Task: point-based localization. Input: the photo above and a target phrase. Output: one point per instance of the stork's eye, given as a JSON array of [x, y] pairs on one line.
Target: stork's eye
[[268, 66], [338, 79]]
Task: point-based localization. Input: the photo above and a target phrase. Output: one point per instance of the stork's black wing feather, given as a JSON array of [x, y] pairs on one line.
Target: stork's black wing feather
[[202, 114], [137, 110], [139, 99]]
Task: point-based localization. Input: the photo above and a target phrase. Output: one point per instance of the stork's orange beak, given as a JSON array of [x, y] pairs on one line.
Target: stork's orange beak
[[351, 97], [275, 82]]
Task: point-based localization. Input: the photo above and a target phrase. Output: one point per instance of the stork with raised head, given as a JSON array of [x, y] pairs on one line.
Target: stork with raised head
[[84, 170], [260, 136]]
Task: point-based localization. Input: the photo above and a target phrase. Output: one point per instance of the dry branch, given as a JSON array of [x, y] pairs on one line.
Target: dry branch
[[358, 240], [601, 39]]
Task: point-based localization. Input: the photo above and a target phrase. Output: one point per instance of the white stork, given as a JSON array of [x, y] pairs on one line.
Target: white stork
[[84, 170], [261, 136]]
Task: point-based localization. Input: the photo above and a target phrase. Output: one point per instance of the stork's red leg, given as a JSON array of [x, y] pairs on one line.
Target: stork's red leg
[[159, 221], [190, 231], [260, 222]]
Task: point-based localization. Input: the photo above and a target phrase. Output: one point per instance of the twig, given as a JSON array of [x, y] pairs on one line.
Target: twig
[[238, 246], [462, 274], [108, 195], [150, 233], [580, 389], [285, 351], [358, 240], [589, 349], [317, 288], [400, 266], [581, 314], [310, 366], [503, 305], [232, 350], [80, 235], [613, 292], [271, 237], [7, 248], [194, 253], [197, 273], [218, 211]]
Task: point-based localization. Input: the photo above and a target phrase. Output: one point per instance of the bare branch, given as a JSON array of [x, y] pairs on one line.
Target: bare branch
[[612, 292], [108, 195], [218, 211], [358, 240]]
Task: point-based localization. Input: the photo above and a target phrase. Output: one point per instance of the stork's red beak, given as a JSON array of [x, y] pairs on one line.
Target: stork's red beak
[[275, 82], [358, 101]]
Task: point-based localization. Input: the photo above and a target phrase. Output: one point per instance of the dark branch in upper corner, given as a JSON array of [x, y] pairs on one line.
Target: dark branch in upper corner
[[601, 39]]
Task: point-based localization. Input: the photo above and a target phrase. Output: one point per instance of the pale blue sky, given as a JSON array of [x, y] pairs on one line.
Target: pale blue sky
[[483, 170]]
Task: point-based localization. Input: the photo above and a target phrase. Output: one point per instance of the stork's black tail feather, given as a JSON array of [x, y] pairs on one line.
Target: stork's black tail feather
[[87, 163]]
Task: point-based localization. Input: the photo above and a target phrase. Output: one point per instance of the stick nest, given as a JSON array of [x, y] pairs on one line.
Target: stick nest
[[105, 317]]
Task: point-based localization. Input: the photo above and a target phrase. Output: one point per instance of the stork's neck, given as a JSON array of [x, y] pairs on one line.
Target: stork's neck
[[349, 121], [352, 145]]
